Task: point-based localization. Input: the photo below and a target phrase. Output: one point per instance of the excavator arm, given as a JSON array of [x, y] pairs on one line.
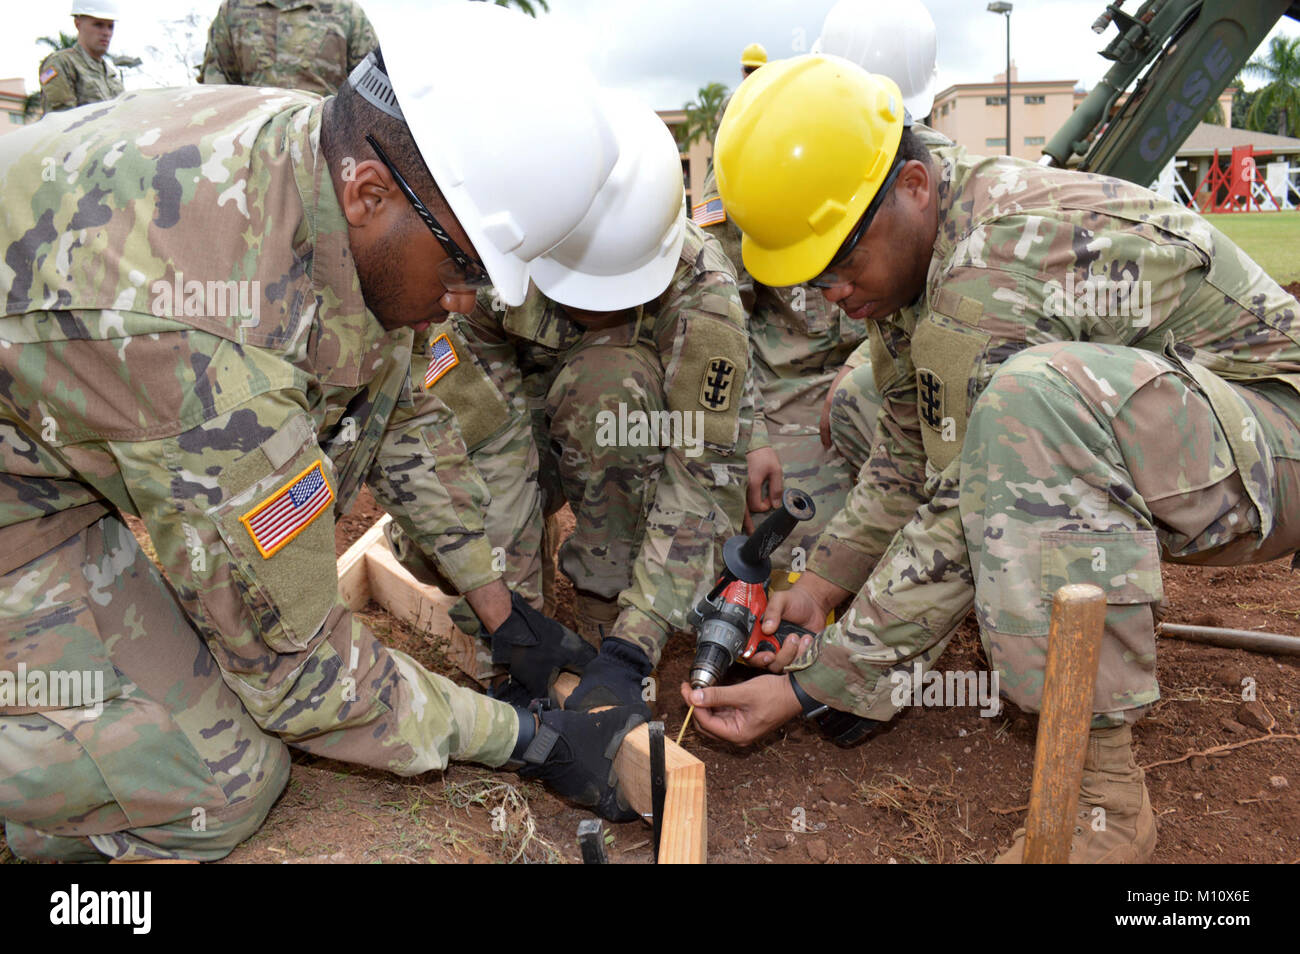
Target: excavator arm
[[1181, 54]]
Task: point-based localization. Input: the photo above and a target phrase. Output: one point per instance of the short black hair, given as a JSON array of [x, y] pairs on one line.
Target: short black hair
[[352, 117], [910, 147]]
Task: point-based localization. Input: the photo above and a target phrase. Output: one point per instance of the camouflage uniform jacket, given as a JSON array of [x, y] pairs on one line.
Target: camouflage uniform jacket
[[72, 77], [697, 319], [1018, 260], [295, 44], [185, 339]]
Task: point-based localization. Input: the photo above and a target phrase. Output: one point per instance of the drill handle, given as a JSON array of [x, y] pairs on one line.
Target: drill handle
[[796, 506]]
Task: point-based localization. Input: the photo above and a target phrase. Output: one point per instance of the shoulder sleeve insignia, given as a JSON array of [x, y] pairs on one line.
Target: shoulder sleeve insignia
[[48, 74], [929, 395], [709, 213], [716, 385], [289, 511], [442, 357]]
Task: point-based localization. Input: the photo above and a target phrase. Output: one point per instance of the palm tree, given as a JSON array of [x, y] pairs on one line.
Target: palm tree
[[1281, 67], [65, 41], [702, 115], [527, 6]]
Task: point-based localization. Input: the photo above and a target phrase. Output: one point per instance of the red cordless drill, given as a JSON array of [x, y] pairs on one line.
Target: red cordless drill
[[728, 622]]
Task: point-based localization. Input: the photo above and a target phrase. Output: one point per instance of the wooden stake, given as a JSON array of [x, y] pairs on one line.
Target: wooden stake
[[1073, 648]]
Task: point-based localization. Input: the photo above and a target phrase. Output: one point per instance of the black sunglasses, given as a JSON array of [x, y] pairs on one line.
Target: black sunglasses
[[470, 270], [826, 278]]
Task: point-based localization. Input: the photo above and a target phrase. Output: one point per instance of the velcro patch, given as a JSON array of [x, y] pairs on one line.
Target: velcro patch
[[443, 358], [716, 384], [289, 511], [709, 213], [929, 397], [49, 74]]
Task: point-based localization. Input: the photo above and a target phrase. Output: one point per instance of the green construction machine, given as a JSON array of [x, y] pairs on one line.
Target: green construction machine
[[1181, 54]]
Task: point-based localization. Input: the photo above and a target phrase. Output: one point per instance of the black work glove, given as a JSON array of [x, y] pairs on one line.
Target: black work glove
[[616, 677], [573, 753], [534, 648]]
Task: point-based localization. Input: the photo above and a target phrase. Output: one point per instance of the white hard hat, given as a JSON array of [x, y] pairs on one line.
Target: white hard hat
[[625, 251], [509, 124], [893, 37], [103, 9]]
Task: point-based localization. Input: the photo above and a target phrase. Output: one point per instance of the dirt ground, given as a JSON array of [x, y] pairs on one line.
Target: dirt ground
[[940, 785]]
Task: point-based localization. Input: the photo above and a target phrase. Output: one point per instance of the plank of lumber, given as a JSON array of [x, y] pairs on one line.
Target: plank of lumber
[[423, 607], [354, 580], [685, 829]]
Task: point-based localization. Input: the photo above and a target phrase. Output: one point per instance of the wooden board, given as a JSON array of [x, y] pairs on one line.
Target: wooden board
[[685, 830], [368, 570]]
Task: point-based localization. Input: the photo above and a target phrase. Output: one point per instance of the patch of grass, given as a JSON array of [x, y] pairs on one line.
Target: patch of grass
[[512, 819], [1271, 238]]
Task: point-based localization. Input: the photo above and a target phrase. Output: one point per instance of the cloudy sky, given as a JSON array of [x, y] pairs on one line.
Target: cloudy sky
[[664, 50]]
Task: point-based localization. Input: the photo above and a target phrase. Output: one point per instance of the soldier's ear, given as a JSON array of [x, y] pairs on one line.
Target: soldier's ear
[[367, 191], [914, 181]]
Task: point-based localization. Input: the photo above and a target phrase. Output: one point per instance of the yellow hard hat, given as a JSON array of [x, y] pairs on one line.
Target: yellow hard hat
[[802, 150], [753, 55]]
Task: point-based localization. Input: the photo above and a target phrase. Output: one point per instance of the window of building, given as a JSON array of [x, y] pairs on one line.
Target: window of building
[[1035, 100], [1034, 140], [16, 118], [1001, 141], [995, 100]]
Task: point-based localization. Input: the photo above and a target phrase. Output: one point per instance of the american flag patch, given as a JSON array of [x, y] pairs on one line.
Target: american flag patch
[[287, 512], [443, 359], [709, 213], [49, 74]]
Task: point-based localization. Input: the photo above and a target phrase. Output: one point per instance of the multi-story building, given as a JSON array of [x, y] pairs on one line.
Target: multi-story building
[[13, 93], [695, 162]]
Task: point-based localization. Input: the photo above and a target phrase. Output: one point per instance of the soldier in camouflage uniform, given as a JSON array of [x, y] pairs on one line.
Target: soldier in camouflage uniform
[[1093, 379], [83, 73], [235, 416], [310, 45], [649, 522], [803, 351]]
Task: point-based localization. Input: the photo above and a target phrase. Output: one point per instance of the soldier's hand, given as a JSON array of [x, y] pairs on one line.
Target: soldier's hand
[[534, 648], [573, 753], [765, 484], [794, 644], [744, 712], [799, 607], [824, 425], [616, 677]]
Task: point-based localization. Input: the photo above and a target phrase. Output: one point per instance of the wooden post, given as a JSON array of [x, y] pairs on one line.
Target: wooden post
[[1073, 648]]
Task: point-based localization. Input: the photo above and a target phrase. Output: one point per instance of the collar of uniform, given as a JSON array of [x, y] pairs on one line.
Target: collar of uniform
[[348, 345], [286, 4], [102, 65]]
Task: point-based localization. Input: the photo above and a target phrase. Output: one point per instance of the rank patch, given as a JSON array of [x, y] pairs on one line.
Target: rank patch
[[715, 386], [287, 512], [709, 213], [443, 358], [929, 394]]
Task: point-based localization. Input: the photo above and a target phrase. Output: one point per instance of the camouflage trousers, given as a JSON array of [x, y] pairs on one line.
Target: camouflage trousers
[[1089, 463], [827, 474], [157, 758]]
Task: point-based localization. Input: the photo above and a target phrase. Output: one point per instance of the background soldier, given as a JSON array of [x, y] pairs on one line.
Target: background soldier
[[295, 44], [83, 73], [1093, 378]]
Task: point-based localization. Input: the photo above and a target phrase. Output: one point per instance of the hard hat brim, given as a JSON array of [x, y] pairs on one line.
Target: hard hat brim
[[609, 292]]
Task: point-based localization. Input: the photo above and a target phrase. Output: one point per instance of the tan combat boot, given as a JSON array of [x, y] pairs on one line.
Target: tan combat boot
[[1124, 831], [595, 616]]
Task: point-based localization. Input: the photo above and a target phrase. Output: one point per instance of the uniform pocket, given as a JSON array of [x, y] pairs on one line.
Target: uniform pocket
[[280, 535], [54, 659], [1124, 564]]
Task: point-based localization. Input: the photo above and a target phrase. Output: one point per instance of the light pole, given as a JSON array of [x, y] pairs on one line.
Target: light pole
[[1005, 8]]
